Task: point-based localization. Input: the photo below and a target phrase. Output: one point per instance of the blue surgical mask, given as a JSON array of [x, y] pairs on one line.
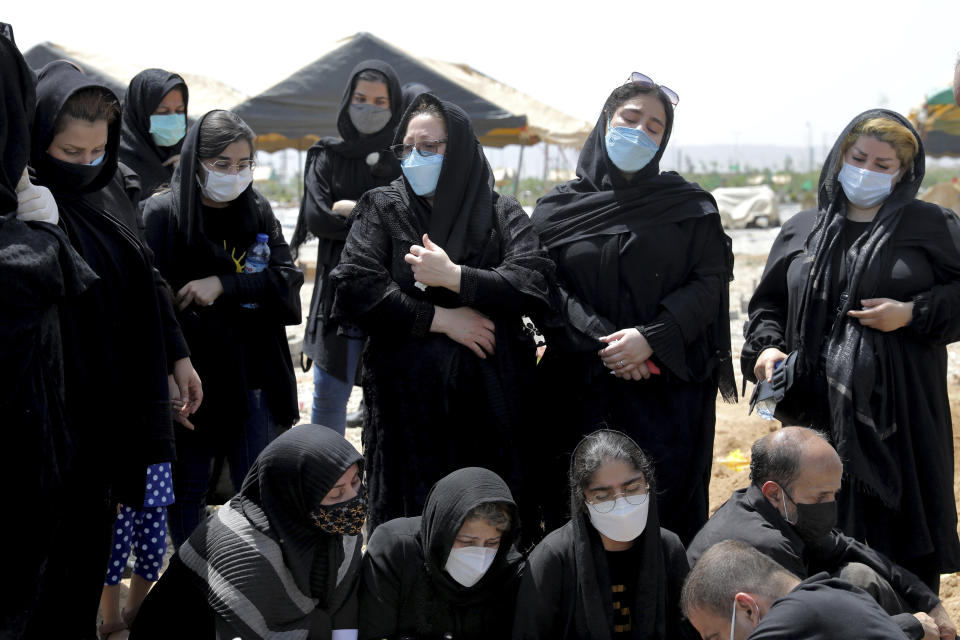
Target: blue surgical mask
[[629, 149], [422, 172], [865, 188], [98, 160], [168, 130]]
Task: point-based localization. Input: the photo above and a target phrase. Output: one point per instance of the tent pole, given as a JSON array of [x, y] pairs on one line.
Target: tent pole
[[300, 173], [516, 180], [546, 163]]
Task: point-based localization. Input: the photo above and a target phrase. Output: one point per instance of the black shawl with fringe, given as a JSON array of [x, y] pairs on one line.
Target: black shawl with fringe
[[260, 567]]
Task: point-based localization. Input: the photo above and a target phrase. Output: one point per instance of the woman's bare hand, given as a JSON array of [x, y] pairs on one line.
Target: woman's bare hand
[[465, 326]]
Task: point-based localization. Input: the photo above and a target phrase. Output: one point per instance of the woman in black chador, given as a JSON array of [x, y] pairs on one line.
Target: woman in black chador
[[115, 369], [338, 171], [438, 270], [612, 571], [867, 290], [452, 572], [39, 272], [642, 340], [153, 127]]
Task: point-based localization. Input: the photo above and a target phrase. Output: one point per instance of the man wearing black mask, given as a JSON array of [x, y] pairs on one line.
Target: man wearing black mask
[[789, 513]]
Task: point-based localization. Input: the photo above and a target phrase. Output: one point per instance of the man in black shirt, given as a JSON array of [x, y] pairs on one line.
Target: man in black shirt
[[736, 592], [789, 513]]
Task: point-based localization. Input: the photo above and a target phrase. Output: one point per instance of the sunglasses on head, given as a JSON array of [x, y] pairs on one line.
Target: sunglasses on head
[[646, 82]]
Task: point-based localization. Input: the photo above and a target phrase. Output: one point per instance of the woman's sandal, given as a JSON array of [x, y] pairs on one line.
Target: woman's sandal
[[106, 630]]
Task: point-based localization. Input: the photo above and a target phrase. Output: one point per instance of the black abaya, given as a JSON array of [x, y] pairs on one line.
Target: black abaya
[[893, 427], [340, 169], [432, 404], [115, 369], [39, 272], [647, 252], [406, 591]]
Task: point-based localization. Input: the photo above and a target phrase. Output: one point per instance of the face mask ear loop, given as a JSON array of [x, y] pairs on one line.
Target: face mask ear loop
[[783, 493]]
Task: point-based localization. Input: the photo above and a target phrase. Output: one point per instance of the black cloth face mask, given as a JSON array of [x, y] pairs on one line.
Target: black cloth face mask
[[70, 176], [814, 521], [343, 518]]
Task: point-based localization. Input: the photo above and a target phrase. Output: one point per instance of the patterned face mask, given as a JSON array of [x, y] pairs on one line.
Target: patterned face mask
[[343, 518]]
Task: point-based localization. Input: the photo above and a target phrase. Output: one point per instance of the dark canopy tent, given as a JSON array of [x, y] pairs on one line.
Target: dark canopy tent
[[47, 52], [303, 108]]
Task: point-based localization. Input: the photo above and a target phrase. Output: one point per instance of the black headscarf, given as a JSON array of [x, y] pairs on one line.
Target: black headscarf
[[186, 188], [353, 144], [854, 355], [410, 92], [601, 201], [447, 506], [285, 485], [137, 147], [127, 311], [460, 218], [649, 608]]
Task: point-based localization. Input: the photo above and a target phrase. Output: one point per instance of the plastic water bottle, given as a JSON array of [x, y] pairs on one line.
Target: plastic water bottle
[[766, 408], [258, 257]]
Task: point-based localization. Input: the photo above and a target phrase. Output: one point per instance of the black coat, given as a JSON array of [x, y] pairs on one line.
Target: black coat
[[749, 517], [825, 608], [121, 197]]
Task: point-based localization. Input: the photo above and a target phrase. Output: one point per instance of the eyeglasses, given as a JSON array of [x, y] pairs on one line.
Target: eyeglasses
[[224, 166], [646, 82], [424, 148], [634, 494]]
